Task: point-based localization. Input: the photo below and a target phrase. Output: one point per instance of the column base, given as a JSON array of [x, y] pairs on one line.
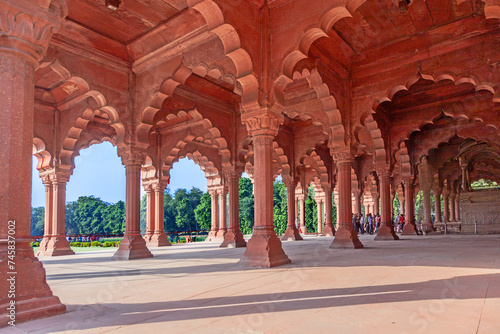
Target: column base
[[212, 236], [291, 234], [264, 250], [221, 233], [428, 228], [44, 243], [346, 239], [158, 239], [409, 229], [132, 247], [147, 236], [56, 246], [34, 299], [233, 239], [386, 233], [329, 231], [303, 229]]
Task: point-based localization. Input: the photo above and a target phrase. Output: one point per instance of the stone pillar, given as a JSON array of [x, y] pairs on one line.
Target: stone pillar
[[150, 213], [319, 205], [446, 206], [264, 247], [345, 236], [367, 209], [401, 199], [302, 213], [132, 246], [357, 201], [409, 227], [452, 206], [437, 204], [20, 50], [376, 200], [58, 244], [291, 233], [234, 237], [427, 223], [329, 230], [386, 230], [457, 208], [159, 238], [48, 215], [222, 213], [214, 207]]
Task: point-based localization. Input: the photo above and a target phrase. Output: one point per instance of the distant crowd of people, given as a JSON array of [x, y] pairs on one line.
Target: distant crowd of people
[[371, 223], [366, 224]]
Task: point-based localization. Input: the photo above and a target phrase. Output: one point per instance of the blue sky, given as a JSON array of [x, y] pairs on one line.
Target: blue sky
[[99, 172]]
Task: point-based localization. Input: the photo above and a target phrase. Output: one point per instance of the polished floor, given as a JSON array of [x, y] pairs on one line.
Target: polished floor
[[420, 284]]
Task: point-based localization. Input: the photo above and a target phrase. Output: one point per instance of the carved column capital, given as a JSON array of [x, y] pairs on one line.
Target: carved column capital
[[132, 157], [383, 172], [342, 157], [262, 122], [26, 27]]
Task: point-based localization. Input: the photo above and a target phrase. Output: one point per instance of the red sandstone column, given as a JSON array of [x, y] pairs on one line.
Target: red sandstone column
[[291, 233], [58, 244], [20, 51], [357, 201], [302, 213], [386, 230], [437, 204], [214, 207], [409, 227], [150, 213], [376, 200], [346, 236], [222, 213], [427, 210], [132, 245], [446, 206], [264, 247], [159, 238], [457, 207], [452, 206], [329, 229], [234, 237], [319, 205], [48, 215]]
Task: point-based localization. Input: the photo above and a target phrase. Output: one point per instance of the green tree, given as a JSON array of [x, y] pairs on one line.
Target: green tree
[[280, 207], [72, 226], [114, 218], [169, 212], [203, 212], [246, 200], [144, 205], [89, 214], [311, 212], [37, 221]]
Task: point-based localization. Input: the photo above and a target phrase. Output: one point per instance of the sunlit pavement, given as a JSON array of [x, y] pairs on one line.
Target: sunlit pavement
[[420, 284]]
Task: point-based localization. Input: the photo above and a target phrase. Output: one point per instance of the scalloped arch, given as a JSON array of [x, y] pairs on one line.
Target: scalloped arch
[[234, 67]]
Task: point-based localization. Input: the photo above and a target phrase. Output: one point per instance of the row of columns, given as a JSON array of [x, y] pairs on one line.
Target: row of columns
[[229, 236], [54, 240], [451, 205], [155, 229]]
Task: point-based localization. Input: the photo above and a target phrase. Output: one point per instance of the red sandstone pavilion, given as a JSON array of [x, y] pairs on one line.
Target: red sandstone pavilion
[[364, 99]]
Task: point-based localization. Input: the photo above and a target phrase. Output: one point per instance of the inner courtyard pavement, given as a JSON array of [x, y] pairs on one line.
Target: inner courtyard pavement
[[431, 284]]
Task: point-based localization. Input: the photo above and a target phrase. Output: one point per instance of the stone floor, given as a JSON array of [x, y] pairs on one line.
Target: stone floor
[[431, 284]]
